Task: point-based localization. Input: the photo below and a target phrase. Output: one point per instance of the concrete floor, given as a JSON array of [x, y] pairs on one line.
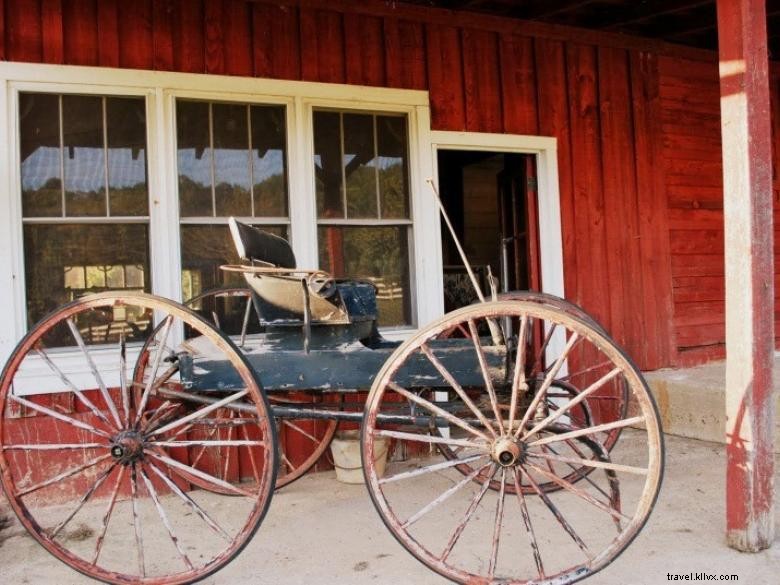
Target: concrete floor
[[321, 531]]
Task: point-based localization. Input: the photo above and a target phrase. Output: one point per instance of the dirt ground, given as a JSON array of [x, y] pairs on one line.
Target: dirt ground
[[321, 531]]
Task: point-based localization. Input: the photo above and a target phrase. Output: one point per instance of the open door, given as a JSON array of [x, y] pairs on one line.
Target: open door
[[492, 203]]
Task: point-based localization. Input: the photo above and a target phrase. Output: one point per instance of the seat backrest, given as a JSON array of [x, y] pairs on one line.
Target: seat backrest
[[256, 245]]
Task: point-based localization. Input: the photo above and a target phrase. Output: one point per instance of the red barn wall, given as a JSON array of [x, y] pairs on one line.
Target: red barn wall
[[637, 123]]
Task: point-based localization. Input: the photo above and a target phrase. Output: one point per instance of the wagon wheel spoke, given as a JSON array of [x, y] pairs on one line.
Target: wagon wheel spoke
[[54, 446], [467, 515], [139, 545], [519, 383], [573, 402], [583, 495], [557, 514], [184, 470], [201, 513], [537, 365], [107, 515], [78, 393], [593, 463], [430, 469], [444, 496], [431, 407], [619, 424], [54, 414], [87, 495], [421, 438], [450, 379], [24, 490], [164, 518], [300, 431], [198, 414], [527, 523], [98, 378], [166, 328], [548, 379], [123, 389], [497, 525], [485, 374]]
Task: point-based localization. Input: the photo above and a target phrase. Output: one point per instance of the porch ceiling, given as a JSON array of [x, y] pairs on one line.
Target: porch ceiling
[[685, 22]]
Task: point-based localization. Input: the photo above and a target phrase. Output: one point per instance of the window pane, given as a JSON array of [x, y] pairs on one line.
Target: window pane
[[359, 169], [66, 261], [327, 163], [269, 155], [380, 254], [39, 123], [194, 158], [204, 250], [231, 160], [85, 170], [126, 132], [393, 167]]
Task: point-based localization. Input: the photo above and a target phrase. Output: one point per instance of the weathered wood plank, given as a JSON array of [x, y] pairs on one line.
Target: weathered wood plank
[[322, 46], [518, 85], [276, 41], [654, 257], [364, 50], [587, 183], [552, 91], [51, 23], [237, 27], [215, 36], [162, 34], [135, 35], [108, 33], [189, 48], [445, 78], [482, 81], [81, 38], [24, 40]]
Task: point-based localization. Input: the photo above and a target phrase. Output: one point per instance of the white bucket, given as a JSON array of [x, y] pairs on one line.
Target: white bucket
[[345, 448]]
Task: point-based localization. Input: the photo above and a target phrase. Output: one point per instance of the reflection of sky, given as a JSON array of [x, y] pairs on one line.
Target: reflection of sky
[[85, 170], [43, 164], [385, 162], [232, 165]]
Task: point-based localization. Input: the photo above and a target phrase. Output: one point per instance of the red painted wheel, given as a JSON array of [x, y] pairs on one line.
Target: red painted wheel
[[101, 475], [456, 524], [301, 441]]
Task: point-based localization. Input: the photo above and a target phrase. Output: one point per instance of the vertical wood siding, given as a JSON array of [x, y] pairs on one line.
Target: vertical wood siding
[[638, 133]]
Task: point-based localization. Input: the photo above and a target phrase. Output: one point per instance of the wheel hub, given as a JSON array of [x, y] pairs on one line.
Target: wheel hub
[[507, 451], [127, 447]]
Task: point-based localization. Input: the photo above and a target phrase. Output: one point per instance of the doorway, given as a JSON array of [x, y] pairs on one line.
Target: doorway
[[491, 199]]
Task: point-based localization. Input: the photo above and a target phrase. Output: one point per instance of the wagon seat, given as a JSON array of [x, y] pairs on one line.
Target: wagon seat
[[284, 294]]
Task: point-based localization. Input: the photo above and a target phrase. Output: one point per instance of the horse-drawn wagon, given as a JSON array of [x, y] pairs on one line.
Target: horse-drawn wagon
[[516, 423]]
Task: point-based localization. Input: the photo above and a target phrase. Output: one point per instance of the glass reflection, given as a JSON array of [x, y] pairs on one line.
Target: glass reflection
[[193, 152], [268, 161], [327, 164], [392, 163], [231, 160], [41, 169], [66, 261], [359, 169], [126, 137], [379, 254], [84, 156]]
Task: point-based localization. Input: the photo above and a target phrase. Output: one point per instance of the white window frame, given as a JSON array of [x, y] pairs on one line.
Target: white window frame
[[160, 90]]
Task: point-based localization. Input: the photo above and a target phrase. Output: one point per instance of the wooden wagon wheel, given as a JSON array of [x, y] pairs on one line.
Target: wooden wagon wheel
[[469, 533], [104, 485], [301, 441]]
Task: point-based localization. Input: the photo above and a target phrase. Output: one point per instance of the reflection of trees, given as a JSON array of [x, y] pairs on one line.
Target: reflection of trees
[[233, 199]]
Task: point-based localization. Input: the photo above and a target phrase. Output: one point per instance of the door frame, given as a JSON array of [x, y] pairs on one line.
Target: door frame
[[545, 151]]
